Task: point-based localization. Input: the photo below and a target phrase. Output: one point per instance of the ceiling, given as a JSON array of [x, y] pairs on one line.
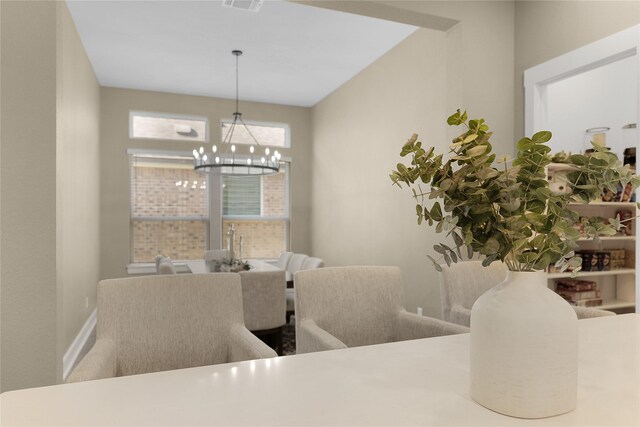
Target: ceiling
[[294, 54]]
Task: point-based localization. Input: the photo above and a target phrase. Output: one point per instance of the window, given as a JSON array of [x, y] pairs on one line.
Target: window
[[169, 208], [177, 212], [269, 134], [167, 126], [259, 208]]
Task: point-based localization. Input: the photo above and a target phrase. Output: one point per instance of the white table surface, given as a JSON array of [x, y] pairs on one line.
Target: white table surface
[[421, 382]]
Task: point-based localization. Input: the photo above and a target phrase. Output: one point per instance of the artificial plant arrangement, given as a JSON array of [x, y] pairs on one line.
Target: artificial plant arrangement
[[233, 265], [503, 212]]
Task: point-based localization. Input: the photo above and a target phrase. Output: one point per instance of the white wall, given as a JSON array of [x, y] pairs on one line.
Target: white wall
[[358, 131], [78, 180], [29, 309], [605, 96], [547, 29], [49, 206]]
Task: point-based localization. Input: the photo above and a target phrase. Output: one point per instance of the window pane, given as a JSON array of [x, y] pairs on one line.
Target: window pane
[[176, 239], [169, 208], [241, 195], [167, 188], [274, 198], [268, 135], [261, 238], [148, 125]]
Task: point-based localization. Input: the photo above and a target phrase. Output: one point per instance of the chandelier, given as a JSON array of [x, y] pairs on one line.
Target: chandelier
[[240, 159]]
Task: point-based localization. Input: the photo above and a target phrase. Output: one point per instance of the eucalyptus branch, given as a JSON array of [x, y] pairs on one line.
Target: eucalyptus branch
[[506, 214]]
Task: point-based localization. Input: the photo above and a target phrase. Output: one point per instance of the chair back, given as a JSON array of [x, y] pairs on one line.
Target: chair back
[[295, 263], [216, 254], [311, 263], [283, 261], [164, 265], [263, 298], [168, 322], [357, 305], [464, 282]]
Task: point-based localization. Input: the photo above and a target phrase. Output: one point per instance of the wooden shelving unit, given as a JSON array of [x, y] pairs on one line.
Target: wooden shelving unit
[[618, 287]]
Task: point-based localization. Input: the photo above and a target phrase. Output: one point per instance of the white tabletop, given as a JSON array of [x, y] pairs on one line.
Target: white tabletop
[[420, 382], [194, 266], [201, 266]]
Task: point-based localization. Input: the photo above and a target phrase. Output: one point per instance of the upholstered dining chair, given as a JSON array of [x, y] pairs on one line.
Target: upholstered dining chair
[[339, 307], [263, 298], [283, 260], [463, 283], [164, 265], [295, 263], [307, 264], [158, 323], [312, 262]]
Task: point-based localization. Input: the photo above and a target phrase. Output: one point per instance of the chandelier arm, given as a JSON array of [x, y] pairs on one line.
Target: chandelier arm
[[249, 132]]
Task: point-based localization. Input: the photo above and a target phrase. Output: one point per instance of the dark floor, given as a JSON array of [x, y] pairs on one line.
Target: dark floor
[[289, 340]]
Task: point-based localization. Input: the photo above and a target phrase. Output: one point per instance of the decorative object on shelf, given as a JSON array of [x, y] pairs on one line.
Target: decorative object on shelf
[[231, 235], [241, 159], [595, 136], [561, 157], [581, 293], [523, 335]]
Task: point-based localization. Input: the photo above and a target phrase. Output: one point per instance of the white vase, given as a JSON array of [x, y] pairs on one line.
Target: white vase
[[524, 349]]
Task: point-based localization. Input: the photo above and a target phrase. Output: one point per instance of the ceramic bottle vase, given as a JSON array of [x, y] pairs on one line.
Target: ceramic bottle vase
[[524, 349]]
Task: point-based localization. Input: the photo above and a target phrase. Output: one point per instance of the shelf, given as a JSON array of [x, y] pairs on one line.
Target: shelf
[[615, 272], [611, 204], [608, 238], [615, 304]]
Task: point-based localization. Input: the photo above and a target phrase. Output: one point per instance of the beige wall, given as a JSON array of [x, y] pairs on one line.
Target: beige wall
[[547, 29], [114, 190], [49, 206], [28, 189], [358, 217], [78, 180]]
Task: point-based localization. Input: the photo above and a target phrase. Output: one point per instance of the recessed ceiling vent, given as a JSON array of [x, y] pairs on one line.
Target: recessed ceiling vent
[[250, 5]]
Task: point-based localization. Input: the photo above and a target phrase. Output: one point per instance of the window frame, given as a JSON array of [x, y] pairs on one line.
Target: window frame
[[159, 115], [216, 240], [131, 153], [285, 126], [215, 234]]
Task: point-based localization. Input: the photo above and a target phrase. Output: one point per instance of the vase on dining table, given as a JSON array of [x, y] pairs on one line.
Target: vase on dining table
[[524, 348]]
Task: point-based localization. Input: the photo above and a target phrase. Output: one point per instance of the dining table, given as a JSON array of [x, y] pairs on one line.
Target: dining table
[[203, 266], [421, 382]]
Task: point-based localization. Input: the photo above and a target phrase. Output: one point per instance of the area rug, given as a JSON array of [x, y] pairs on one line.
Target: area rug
[[289, 339]]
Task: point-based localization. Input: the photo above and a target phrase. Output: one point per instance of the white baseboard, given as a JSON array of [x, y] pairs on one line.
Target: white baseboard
[[78, 344]]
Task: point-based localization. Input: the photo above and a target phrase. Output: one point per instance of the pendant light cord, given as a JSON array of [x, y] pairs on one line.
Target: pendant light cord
[[237, 54]]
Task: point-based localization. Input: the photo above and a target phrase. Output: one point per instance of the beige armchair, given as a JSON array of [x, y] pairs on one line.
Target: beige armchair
[[283, 260], [341, 307], [464, 282], [158, 323], [306, 263], [263, 297]]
